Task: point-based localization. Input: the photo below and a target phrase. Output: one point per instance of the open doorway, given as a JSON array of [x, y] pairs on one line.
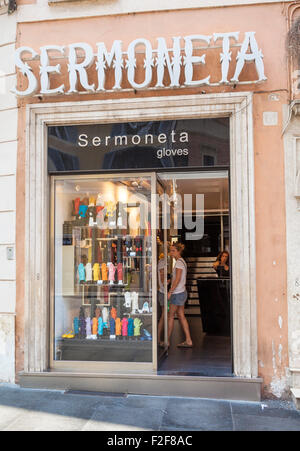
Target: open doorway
[[198, 216]]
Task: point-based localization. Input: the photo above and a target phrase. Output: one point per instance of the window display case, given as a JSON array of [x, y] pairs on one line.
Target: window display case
[[103, 270]]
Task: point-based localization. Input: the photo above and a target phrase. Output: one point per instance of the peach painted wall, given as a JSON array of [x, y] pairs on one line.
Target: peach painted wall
[[25, 2], [269, 23]]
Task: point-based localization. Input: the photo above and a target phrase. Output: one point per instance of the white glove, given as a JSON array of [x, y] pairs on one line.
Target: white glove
[[135, 302], [105, 315], [89, 273]]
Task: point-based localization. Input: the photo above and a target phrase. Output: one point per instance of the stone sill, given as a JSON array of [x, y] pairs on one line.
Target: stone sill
[[296, 397]]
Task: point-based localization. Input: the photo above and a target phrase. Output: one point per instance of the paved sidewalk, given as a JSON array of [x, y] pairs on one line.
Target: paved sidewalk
[[48, 410]]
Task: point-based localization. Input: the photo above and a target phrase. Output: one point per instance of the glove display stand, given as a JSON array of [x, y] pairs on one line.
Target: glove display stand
[[112, 273]]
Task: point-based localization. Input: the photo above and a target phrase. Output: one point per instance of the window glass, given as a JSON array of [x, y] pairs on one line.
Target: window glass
[[139, 145]]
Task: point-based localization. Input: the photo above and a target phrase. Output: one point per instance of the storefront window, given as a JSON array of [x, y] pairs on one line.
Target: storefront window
[[139, 145], [105, 226], [103, 271]]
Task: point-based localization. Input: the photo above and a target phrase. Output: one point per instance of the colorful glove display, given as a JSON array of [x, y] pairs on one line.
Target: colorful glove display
[[110, 208], [76, 205], [82, 328], [96, 272], [100, 326], [113, 313], [100, 201], [100, 218], [119, 250], [82, 210], [104, 272], [81, 272], [124, 327], [76, 324], [112, 326], [120, 273], [92, 202], [110, 259], [130, 327], [118, 327], [138, 246], [111, 273], [95, 326], [88, 272], [85, 328], [105, 316], [91, 219], [88, 326]]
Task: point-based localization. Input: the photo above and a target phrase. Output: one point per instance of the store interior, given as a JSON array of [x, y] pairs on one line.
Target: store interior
[[208, 308]]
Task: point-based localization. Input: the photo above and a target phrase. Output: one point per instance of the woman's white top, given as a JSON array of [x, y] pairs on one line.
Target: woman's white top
[[180, 264]]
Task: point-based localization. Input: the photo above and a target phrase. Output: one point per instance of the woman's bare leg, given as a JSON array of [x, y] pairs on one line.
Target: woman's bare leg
[[184, 324], [160, 326], [172, 312]]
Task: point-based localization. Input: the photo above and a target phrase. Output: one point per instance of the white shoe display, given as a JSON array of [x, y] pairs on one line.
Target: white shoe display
[[127, 299], [145, 308]]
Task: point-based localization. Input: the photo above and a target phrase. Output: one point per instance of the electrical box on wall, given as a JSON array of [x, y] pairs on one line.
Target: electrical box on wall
[[10, 253]]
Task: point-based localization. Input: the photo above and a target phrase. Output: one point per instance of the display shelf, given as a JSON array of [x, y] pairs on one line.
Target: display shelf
[[104, 341], [104, 350], [138, 314], [130, 252], [137, 256], [104, 285]]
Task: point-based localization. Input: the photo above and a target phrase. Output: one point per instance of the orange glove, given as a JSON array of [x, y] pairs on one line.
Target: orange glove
[[113, 313], [95, 326], [104, 272]]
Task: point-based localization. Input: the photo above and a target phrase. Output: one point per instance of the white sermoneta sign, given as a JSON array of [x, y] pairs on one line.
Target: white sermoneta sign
[[160, 60]]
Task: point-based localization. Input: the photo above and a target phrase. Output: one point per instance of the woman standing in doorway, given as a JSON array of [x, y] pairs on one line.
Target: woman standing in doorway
[[178, 295]]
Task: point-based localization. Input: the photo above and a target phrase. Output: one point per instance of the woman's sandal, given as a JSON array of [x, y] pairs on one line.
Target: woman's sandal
[[163, 345], [184, 345]]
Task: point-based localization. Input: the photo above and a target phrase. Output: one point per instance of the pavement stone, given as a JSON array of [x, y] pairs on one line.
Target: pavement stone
[[49, 410], [193, 414]]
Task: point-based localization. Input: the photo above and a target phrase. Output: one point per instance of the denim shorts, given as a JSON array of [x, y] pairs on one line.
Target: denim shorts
[[179, 298]]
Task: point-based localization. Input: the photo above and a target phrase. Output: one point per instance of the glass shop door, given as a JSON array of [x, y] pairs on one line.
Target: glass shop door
[[103, 262]]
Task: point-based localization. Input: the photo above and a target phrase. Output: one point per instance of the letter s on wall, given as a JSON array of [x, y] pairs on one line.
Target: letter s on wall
[[27, 71]]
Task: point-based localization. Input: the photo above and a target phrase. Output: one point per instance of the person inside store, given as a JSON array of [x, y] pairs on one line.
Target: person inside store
[[177, 295], [221, 265]]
